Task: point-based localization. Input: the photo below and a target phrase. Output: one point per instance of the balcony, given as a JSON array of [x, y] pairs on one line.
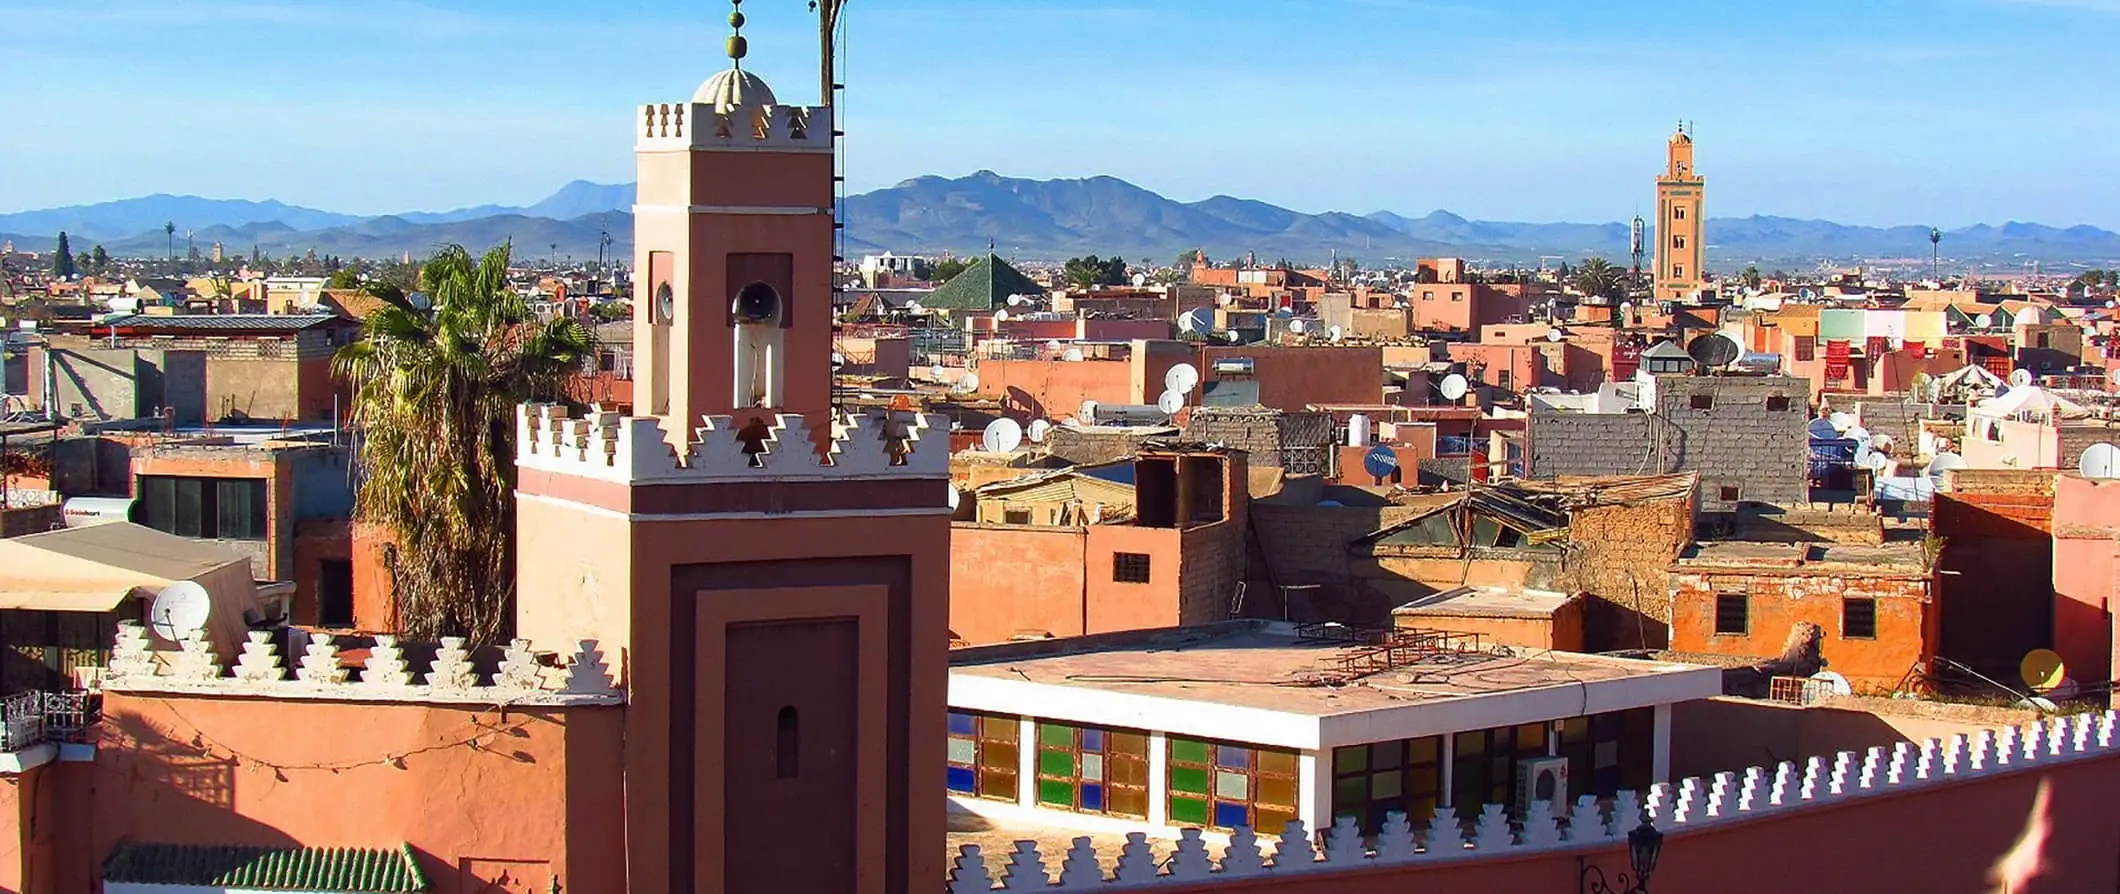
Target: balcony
[[38, 727]]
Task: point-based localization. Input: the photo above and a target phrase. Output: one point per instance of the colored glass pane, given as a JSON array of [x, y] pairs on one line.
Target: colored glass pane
[[963, 724], [1232, 786], [963, 751], [1233, 757], [1575, 729], [1230, 816], [1056, 792], [1531, 736], [1424, 751], [1129, 802], [1280, 790], [998, 729], [1273, 821], [1384, 755], [1129, 770], [1092, 739], [1387, 785], [1188, 779], [1281, 762], [1349, 792], [997, 784], [1092, 796], [1189, 751], [961, 780], [1127, 743], [1472, 744], [1092, 767], [1056, 763], [1188, 810], [1350, 760], [1056, 736], [998, 754]]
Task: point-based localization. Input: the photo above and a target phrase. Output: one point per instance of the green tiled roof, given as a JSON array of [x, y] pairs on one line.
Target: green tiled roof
[[985, 285], [339, 870]]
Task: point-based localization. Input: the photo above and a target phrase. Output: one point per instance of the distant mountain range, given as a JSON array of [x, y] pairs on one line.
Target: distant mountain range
[[1035, 219]]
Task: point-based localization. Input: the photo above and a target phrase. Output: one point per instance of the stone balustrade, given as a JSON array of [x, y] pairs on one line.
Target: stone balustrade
[[321, 672], [636, 450], [1692, 804]]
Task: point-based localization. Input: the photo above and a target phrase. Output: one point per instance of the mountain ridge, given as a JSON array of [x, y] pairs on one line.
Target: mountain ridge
[[1041, 219]]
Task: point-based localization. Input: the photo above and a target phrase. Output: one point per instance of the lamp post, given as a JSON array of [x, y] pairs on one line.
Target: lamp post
[[1936, 255], [1644, 845]]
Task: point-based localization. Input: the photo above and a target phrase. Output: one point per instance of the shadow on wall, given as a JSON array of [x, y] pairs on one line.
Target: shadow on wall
[[1711, 735]]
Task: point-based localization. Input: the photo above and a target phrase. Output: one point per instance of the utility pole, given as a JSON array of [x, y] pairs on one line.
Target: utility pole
[[827, 25]]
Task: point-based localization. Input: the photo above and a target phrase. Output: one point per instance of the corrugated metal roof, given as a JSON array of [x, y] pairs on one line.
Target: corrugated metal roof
[[222, 322], [338, 870]]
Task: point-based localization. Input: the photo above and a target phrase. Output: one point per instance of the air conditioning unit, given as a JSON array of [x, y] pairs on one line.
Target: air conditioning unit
[[1542, 779]]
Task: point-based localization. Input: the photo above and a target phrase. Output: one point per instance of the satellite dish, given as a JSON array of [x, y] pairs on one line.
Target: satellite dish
[[180, 610], [2100, 460], [1714, 351], [1071, 355], [1454, 387], [1874, 461], [1295, 326], [1822, 429], [839, 361], [1001, 436], [1018, 300], [1334, 333], [1199, 319], [2020, 378], [1170, 403], [1881, 442], [914, 307], [1232, 337], [966, 385], [936, 371], [2042, 670], [1858, 434], [1842, 421], [1001, 316], [1054, 346], [1945, 462], [1087, 412], [955, 499], [1554, 335], [1038, 430], [1835, 684], [1380, 461], [1181, 378], [2110, 304], [1984, 321]]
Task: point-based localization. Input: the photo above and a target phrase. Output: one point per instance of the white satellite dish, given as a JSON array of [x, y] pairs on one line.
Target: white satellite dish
[[1018, 300], [1874, 461], [966, 385], [1984, 321], [1554, 335], [1334, 333], [936, 371], [1835, 684], [1140, 279], [1087, 412], [1071, 355], [1038, 430], [2020, 378], [1295, 326], [1232, 337], [839, 361], [1858, 434], [1170, 403], [1454, 387], [914, 307], [955, 499], [1199, 319], [2100, 460], [1841, 421], [1881, 442], [1181, 378], [1946, 462], [1001, 436], [180, 610], [1054, 346], [2110, 304], [1001, 316]]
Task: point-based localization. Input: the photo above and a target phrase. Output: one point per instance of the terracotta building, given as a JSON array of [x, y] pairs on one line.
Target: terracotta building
[[1873, 604], [1681, 244]]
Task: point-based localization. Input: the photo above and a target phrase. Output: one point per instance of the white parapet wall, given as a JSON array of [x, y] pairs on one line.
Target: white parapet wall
[[1693, 803], [636, 450]]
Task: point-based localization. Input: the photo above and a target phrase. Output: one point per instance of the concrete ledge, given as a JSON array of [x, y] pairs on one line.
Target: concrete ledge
[[28, 758]]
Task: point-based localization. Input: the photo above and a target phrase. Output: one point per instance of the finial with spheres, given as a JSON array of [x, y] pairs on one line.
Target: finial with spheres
[[738, 47]]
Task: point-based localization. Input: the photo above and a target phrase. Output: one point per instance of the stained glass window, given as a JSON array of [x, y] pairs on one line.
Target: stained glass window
[[1372, 780], [983, 755], [1224, 786], [1086, 769]]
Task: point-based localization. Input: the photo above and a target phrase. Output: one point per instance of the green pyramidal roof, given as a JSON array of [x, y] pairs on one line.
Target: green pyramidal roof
[[338, 870], [985, 285]]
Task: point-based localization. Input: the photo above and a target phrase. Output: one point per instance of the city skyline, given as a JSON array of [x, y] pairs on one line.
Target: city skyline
[[1900, 112]]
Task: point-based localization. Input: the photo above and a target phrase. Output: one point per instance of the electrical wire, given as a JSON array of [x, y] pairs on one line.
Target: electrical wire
[[209, 745]]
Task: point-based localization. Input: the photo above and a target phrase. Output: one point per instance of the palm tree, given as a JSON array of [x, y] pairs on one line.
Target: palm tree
[[1598, 278], [434, 398]]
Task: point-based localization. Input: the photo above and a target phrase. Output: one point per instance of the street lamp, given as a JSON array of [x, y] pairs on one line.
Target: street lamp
[[1644, 845]]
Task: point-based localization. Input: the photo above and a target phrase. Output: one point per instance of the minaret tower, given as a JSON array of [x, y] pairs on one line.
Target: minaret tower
[[771, 577], [1681, 250]]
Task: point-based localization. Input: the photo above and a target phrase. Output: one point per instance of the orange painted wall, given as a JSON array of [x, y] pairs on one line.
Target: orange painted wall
[[2086, 560], [1295, 378], [1943, 841], [1006, 580], [1122, 606], [1054, 389], [542, 797], [1906, 621], [374, 599]]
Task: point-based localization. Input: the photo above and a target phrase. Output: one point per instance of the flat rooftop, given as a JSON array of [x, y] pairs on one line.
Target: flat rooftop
[[1900, 558], [1264, 681], [1487, 602]]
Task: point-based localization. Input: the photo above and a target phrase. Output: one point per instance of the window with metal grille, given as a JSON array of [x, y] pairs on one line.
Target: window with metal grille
[[1732, 615], [1858, 618], [1130, 568]]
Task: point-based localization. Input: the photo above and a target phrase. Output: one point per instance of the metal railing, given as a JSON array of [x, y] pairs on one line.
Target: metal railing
[[32, 718]]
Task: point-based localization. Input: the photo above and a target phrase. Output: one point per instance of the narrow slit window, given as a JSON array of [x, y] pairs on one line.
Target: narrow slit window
[[787, 744]]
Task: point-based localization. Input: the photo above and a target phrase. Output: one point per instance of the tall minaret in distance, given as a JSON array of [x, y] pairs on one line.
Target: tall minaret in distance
[[1681, 250]]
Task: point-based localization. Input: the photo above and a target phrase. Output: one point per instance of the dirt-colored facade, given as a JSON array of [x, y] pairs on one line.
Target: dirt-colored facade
[[1996, 572], [1872, 603]]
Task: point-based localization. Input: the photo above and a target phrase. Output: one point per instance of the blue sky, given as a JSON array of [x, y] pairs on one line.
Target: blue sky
[[1865, 111]]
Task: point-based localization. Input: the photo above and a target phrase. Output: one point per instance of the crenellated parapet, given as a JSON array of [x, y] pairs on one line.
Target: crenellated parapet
[[634, 450], [693, 125], [325, 671], [1488, 832]]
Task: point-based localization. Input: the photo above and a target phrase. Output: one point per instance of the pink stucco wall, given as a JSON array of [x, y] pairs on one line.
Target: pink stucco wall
[[2086, 544]]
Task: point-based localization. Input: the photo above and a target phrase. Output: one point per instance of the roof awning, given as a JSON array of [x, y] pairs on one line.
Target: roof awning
[[148, 868]]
